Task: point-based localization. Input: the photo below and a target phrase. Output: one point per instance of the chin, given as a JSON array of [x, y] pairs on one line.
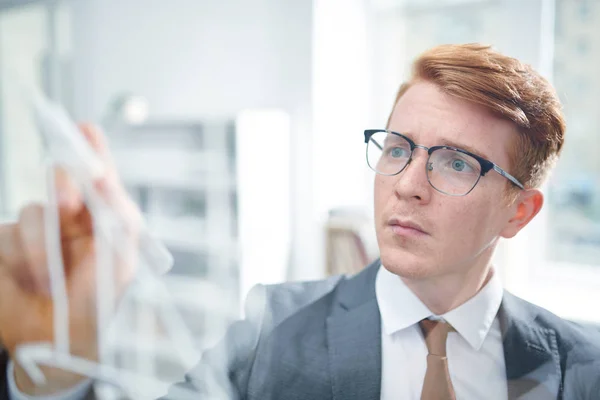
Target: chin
[[405, 264]]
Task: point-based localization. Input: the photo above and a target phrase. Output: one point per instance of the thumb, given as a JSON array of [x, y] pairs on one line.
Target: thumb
[[73, 214]]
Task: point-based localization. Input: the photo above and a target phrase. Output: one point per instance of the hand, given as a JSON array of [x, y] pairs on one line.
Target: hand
[[26, 307]]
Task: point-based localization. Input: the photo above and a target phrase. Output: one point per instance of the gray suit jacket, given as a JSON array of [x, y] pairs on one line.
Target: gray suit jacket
[[322, 340]]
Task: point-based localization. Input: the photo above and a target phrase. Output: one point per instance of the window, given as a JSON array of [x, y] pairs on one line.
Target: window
[[573, 194]]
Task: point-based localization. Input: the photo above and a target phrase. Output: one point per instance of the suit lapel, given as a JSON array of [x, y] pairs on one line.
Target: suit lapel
[[530, 353], [354, 339]]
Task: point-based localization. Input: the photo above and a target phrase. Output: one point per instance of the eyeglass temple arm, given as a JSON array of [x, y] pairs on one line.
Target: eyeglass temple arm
[[376, 143], [508, 176]]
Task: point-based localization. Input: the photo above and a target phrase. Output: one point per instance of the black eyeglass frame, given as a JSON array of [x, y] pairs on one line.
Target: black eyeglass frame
[[486, 165]]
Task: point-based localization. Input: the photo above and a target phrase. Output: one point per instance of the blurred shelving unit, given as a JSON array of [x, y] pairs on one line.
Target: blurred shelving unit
[[182, 174], [349, 241]]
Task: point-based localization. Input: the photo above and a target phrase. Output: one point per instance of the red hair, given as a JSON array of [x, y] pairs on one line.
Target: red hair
[[509, 89]]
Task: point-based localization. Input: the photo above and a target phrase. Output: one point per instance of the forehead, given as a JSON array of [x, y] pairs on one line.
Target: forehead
[[431, 117]]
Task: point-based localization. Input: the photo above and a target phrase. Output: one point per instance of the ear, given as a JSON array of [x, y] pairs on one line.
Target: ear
[[527, 205]]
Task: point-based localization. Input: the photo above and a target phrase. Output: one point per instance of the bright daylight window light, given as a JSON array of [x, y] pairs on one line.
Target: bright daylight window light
[[263, 180], [340, 103]]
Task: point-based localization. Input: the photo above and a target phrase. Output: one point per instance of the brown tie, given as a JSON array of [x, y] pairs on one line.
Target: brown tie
[[437, 384]]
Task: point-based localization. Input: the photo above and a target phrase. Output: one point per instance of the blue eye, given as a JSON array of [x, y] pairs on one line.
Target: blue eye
[[398, 152], [458, 165]]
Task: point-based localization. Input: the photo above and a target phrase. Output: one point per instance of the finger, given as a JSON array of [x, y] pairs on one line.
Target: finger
[[74, 217], [9, 290], [123, 233], [109, 186], [7, 243], [114, 194], [13, 265], [96, 139], [69, 196], [117, 197], [32, 238]]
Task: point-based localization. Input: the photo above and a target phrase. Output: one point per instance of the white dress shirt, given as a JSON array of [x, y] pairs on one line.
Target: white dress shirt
[[475, 351]]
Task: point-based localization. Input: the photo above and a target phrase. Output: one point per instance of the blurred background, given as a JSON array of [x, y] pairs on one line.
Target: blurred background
[[237, 127]]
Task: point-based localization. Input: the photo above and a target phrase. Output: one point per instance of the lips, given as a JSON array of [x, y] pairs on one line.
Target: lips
[[406, 227]]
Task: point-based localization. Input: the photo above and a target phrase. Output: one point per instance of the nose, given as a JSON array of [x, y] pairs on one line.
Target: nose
[[412, 183]]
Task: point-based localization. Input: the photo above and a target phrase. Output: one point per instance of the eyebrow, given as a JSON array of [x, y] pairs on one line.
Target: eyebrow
[[447, 142]]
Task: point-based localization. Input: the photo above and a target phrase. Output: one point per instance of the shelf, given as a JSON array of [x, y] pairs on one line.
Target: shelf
[[197, 183], [172, 168], [190, 233]]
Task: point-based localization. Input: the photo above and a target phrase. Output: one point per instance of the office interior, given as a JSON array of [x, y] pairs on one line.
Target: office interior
[[237, 127]]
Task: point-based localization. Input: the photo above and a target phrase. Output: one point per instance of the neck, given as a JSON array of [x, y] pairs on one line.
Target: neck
[[446, 292]]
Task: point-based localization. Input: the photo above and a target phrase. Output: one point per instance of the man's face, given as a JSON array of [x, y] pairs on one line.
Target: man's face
[[459, 232]]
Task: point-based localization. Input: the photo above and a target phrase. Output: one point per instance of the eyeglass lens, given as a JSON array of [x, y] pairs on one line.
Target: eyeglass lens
[[448, 171]]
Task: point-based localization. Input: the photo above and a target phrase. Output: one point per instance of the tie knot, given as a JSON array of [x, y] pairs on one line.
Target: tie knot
[[436, 333]]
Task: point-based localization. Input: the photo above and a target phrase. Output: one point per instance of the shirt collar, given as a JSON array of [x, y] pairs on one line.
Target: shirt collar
[[401, 308]]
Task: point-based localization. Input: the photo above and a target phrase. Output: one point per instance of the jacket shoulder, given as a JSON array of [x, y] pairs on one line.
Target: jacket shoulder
[[576, 345], [577, 340], [280, 301]]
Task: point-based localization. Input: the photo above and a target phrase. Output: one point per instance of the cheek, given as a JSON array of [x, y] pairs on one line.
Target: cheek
[[383, 191], [468, 225], [378, 195]]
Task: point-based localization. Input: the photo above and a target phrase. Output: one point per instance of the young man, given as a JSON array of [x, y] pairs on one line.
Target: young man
[[468, 143]]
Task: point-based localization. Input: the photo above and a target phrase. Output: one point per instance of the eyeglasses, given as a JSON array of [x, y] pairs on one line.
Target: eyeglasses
[[450, 170]]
